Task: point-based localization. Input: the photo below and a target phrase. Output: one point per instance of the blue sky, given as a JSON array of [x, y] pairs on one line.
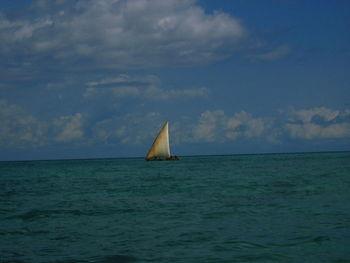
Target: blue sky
[[86, 79]]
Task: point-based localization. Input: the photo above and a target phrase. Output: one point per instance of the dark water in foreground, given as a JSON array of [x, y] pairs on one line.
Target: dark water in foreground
[[251, 208]]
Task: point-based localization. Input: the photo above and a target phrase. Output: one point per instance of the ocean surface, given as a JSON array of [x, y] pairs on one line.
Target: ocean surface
[[239, 208]]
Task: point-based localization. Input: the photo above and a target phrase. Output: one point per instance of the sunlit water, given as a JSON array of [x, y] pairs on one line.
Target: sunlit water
[[241, 208]]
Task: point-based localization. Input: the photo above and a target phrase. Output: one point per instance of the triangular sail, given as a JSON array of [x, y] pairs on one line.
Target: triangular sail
[[160, 148]]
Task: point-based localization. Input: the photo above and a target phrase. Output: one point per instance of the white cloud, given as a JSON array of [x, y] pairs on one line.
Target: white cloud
[[118, 92], [20, 30], [18, 128], [211, 126], [124, 79], [306, 115], [318, 123], [123, 34], [315, 131], [217, 126], [128, 129], [157, 93], [69, 128], [209, 123]]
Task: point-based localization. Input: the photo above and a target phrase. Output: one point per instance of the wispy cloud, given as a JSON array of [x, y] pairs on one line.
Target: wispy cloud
[[125, 79], [274, 54], [145, 87]]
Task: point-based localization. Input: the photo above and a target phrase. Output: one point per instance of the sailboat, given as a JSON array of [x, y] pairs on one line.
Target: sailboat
[[160, 149]]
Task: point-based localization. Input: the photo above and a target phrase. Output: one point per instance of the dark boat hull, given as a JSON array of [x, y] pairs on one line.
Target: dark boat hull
[[171, 158]]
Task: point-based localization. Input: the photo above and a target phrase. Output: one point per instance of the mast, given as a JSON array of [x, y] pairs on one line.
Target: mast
[[160, 147]]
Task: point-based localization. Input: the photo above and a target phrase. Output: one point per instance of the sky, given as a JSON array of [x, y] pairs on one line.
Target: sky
[[98, 79]]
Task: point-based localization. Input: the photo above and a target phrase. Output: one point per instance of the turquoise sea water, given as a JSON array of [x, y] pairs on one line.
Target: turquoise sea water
[[240, 208]]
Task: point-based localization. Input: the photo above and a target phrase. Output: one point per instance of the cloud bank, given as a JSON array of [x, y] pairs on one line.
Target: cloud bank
[[118, 34], [318, 123], [216, 126], [20, 129]]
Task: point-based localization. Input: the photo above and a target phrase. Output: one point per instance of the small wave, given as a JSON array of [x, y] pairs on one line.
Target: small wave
[[103, 259], [116, 259], [263, 257], [13, 261], [303, 240], [246, 244], [37, 213], [341, 260], [25, 231]]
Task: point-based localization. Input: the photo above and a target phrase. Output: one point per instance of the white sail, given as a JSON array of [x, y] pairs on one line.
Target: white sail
[[160, 148]]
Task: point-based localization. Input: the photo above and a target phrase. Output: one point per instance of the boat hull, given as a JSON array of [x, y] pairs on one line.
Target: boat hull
[[171, 158]]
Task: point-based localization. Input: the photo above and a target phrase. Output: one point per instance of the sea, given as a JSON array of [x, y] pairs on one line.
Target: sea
[[234, 208]]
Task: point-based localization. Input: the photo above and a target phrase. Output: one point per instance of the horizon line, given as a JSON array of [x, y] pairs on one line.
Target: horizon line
[[194, 155]]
